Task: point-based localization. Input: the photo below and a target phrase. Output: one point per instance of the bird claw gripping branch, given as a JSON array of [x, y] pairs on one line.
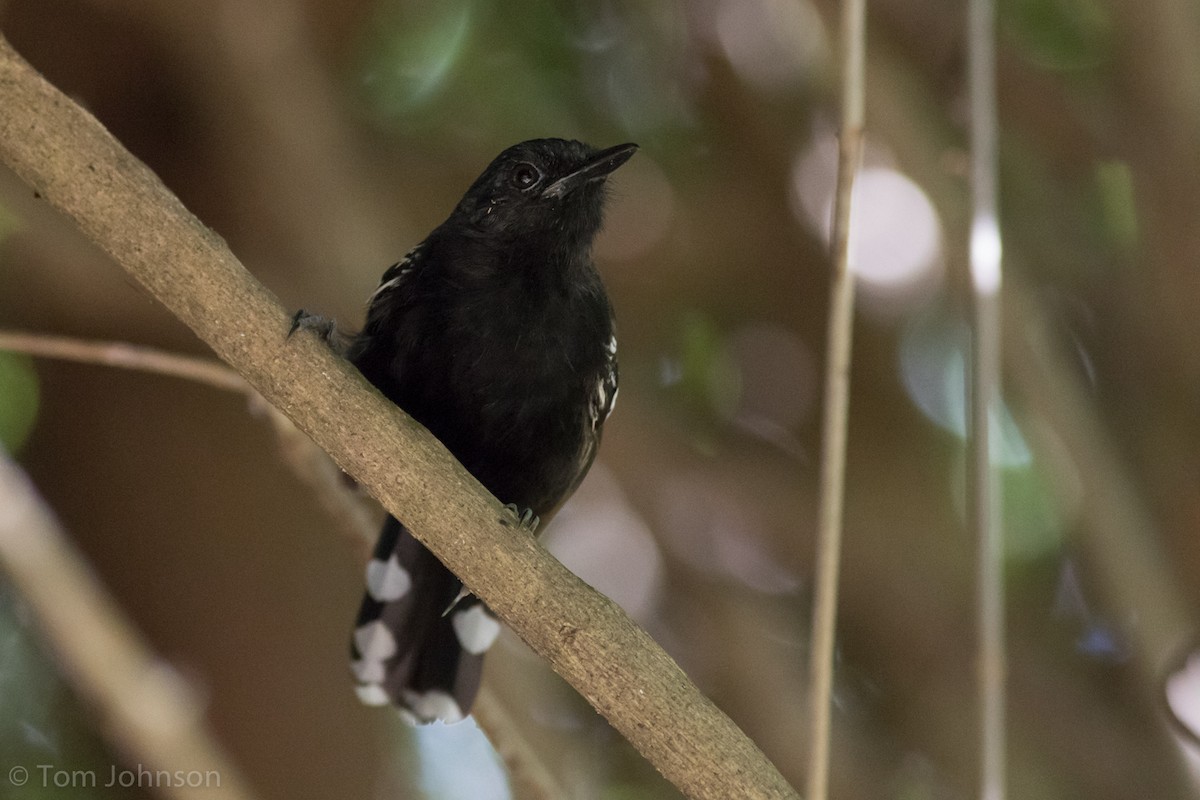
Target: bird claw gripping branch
[[496, 334]]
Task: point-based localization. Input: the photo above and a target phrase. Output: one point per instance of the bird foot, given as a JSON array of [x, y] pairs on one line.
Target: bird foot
[[325, 327], [525, 517]]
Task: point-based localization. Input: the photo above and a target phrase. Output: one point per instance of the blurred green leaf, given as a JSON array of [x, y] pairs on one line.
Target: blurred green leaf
[[1117, 209], [473, 69], [45, 737], [9, 222], [1047, 204], [19, 396], [1033, 520], [708, 377], [934, 352], [1060, 34], [1032, 515], [412, 52]]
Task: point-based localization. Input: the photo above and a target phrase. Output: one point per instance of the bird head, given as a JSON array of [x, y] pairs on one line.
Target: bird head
[[543, 187]]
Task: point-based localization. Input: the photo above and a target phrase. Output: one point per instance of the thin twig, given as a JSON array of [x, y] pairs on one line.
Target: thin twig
[[126, 356], [836, 403], [73, 163], [529, 779], [147, 709], [986, 516], [308, 462], [349, 512]]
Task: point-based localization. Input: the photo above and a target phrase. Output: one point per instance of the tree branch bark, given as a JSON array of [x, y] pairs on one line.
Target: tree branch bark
[[347, 512], [68, 159]]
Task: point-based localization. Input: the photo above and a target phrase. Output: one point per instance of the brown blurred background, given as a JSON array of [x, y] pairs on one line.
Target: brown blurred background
[[323, 139]]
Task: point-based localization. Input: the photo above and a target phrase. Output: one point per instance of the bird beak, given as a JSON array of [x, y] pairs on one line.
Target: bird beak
[[597, 168]]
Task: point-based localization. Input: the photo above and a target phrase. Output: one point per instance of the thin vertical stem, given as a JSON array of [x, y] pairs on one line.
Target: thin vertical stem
[[986, 517], [985, 261], [836, 403]]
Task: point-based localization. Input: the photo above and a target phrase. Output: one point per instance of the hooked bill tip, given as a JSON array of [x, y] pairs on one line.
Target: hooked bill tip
[[596, 168]]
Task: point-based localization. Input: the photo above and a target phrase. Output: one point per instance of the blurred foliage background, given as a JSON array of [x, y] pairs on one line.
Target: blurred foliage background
[[323, 139]]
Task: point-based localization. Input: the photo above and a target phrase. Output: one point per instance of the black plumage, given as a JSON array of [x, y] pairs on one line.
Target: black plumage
[[497, 335]]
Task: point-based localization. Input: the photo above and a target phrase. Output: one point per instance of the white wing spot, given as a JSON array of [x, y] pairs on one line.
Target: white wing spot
[[476, 629], [397, 271], [602, 403], [387, 581], [383, 287]]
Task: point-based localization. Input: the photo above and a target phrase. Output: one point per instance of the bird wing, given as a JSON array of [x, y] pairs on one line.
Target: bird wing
[[394, 277], [604, 398]]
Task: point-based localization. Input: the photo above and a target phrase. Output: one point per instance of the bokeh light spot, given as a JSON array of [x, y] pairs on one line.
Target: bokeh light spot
[[896, 233], [1183, 693], [986, 254], [771, 44], [896, 236], [933, 367], [705, 526], [601, 538]]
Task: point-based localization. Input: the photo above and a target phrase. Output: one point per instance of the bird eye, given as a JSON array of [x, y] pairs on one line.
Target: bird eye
[[525, 175]]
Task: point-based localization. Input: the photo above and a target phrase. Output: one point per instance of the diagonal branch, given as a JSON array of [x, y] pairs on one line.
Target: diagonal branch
[[146, 709], [68, 158], [309, 464]]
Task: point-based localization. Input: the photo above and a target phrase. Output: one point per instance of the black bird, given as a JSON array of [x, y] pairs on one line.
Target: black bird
[[496, 334]]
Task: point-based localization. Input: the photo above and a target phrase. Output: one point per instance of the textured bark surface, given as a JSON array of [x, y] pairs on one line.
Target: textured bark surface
[[69, 160]]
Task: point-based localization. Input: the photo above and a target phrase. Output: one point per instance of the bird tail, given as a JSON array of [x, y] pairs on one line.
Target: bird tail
[[419, 641]]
